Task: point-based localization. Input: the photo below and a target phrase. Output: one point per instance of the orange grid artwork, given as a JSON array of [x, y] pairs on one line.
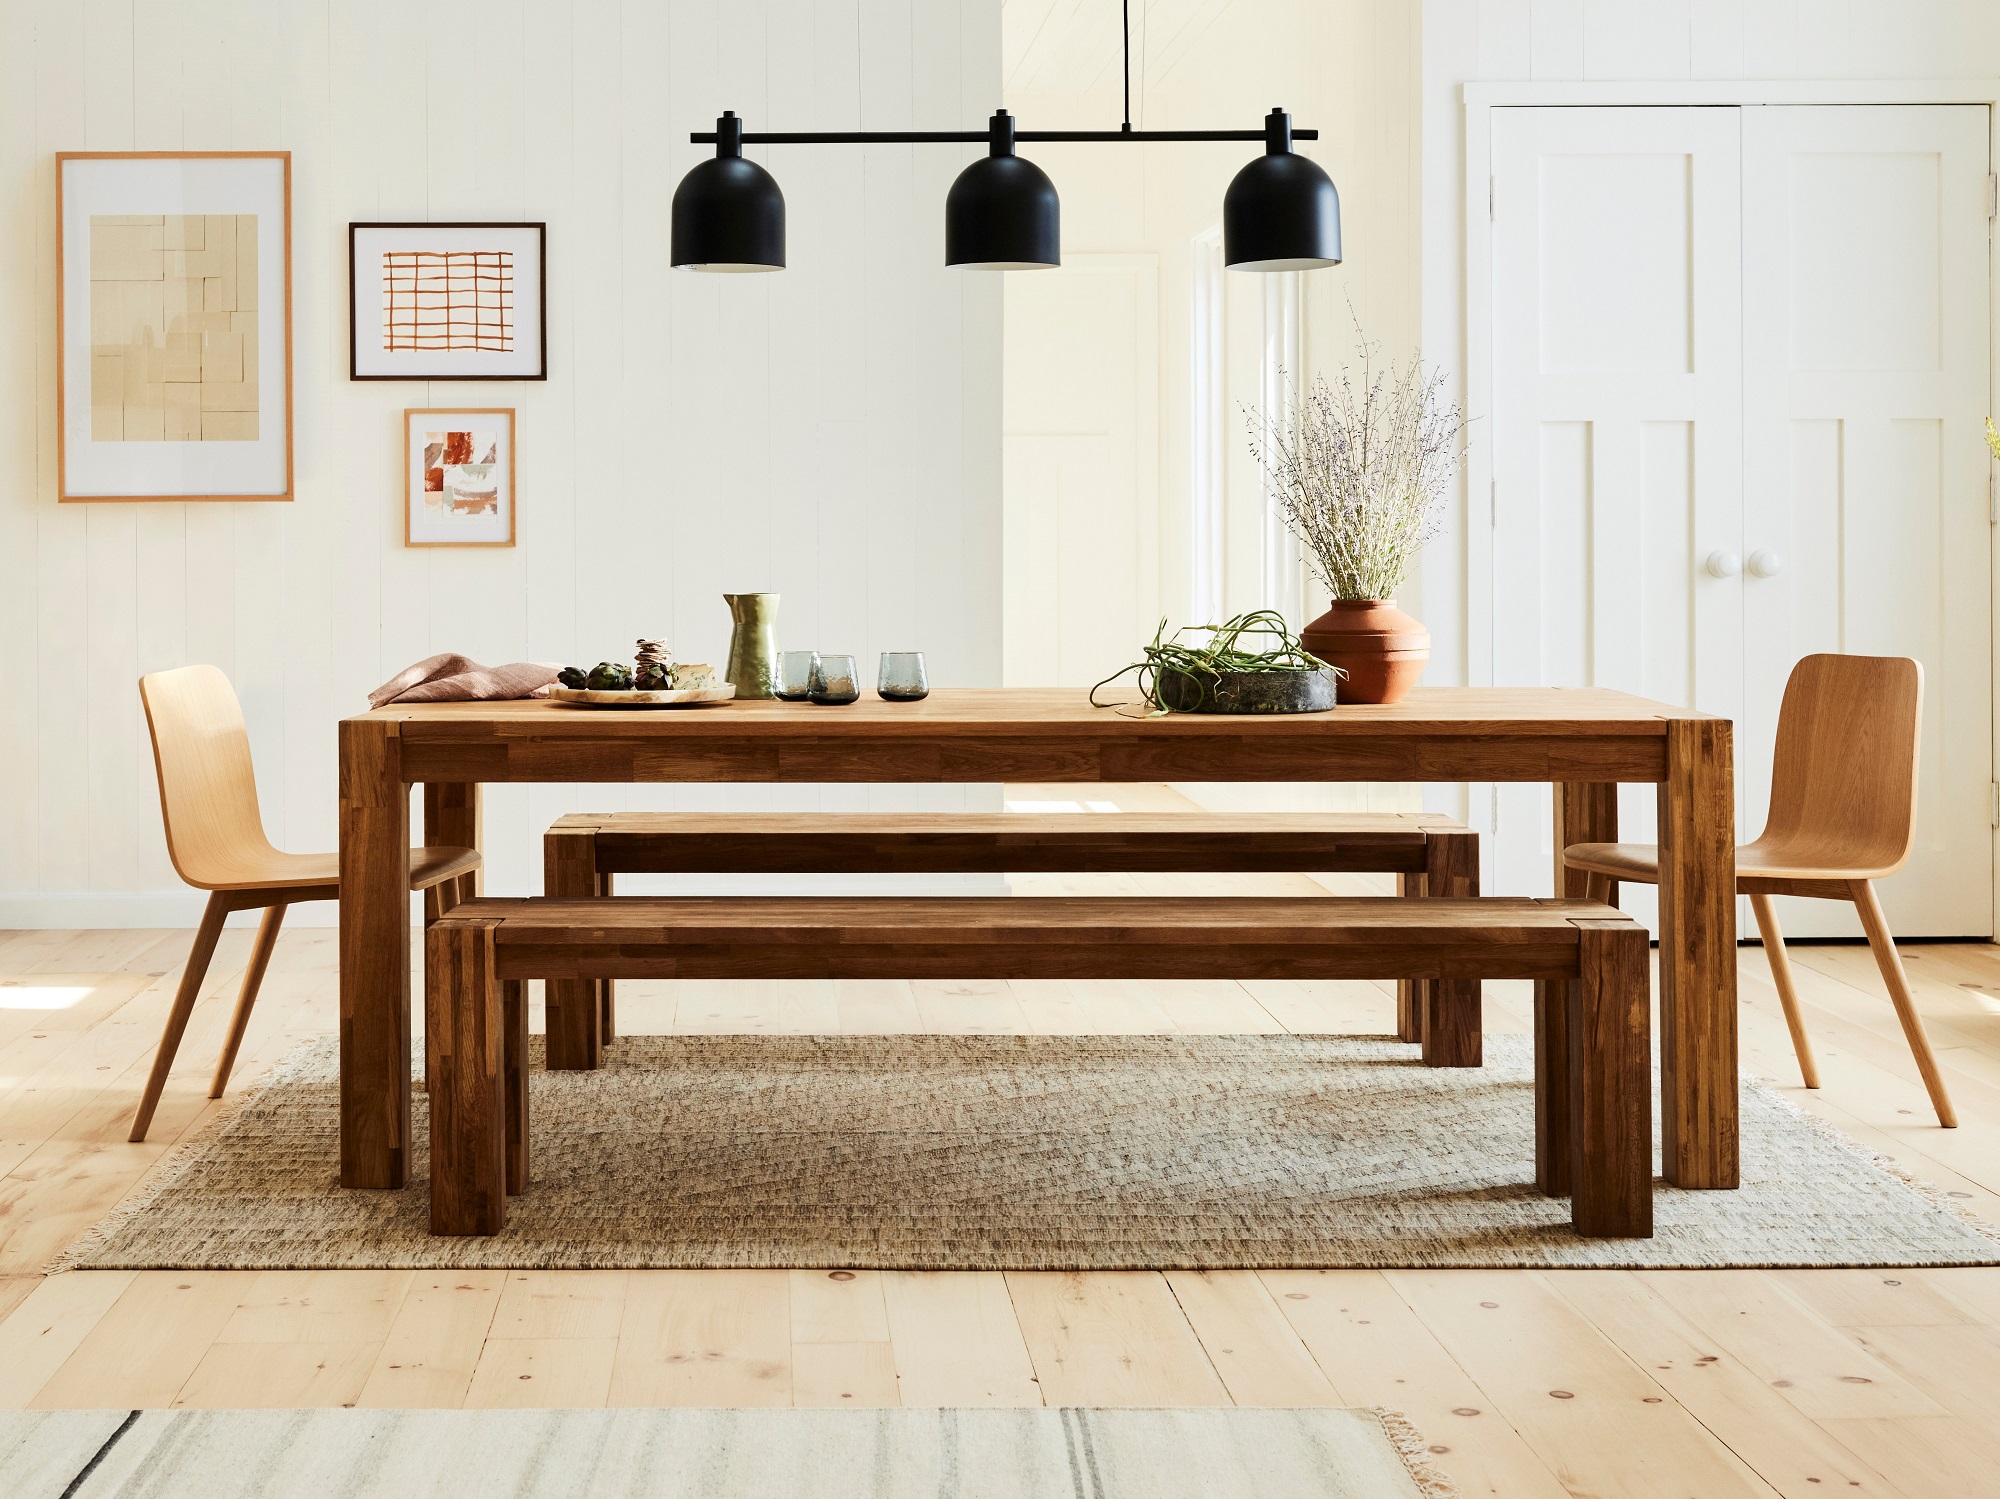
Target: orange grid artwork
[[449, 299]]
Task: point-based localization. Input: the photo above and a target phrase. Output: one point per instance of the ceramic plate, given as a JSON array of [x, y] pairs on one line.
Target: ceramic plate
[[686, 697]]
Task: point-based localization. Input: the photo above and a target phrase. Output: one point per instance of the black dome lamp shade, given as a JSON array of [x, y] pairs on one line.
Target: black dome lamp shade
[[728, 213], [1002, 214], [1281, 212]]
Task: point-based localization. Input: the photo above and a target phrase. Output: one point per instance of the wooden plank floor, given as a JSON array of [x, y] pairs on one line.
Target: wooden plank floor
[[1526, 1384]]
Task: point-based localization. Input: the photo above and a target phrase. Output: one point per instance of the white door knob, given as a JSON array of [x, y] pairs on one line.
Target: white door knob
[[1724, 564], [1765, 564]]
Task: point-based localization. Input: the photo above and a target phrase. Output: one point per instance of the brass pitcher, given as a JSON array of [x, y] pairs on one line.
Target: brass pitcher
[[753, 644]]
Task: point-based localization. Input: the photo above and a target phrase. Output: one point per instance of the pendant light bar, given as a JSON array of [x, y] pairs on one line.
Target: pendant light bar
[[921, 137]]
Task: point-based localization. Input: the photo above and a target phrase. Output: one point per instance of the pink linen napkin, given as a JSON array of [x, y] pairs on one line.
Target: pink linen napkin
[[459, 679]]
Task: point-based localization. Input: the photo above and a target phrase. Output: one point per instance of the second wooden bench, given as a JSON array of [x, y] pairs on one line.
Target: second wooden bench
[[1429, 855]]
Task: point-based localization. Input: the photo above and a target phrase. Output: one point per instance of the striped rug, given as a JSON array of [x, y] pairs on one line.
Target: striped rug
[[714, 1454]]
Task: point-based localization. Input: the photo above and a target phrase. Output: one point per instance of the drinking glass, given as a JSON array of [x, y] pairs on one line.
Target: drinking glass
[[902, 678], [795, 669], [833, 681]]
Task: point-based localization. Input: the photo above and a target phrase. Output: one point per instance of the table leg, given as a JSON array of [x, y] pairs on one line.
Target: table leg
[[374, 956], [468, 1012], [452, 817], [1452, 1018], [1586, 812], [575, 1032], [1698, 1104]]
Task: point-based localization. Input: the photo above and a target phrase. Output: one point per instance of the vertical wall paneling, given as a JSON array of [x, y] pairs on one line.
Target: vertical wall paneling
[[831, 433]]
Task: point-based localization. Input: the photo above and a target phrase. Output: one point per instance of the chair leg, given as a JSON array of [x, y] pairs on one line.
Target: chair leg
[[1781, 975], [246, 997], [199, 956], [1891, 963], [1601, 887]]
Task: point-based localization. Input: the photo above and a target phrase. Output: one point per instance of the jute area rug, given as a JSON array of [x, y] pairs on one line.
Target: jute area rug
[[714, 1454], [1011, 1152]]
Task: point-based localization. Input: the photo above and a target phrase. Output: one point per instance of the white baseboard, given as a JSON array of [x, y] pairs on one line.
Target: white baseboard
[[182, 908]]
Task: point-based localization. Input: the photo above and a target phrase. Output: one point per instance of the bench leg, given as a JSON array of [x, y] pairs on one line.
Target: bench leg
[[1611, 1085], [1412, 995], [1554, 1131], [514, 1020], [575, 1030], [465, 1009], [607, 1009], [1453, 1020]]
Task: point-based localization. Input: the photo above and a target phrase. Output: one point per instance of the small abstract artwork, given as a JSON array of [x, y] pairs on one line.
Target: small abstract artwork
[[174, 379], [449, 299], [446, 302], [460, 485]]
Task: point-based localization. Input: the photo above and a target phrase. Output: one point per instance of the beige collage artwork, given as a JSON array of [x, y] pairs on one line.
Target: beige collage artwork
[[173, 327]]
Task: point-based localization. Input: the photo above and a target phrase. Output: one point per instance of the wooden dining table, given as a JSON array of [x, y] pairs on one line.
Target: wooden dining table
[[1583, 741]]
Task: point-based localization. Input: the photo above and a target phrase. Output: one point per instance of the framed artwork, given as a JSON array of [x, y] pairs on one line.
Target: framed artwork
[[458, 482], [174, 325], [447, 302]]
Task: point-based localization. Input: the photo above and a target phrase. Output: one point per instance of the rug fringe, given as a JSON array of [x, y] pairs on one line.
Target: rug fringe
[[1410, 1446]]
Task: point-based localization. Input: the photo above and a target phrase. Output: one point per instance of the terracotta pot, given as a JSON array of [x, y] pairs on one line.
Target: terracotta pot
[[1381, 648]]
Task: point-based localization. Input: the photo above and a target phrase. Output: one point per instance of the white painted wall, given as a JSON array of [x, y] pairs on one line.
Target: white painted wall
[[831, 432]]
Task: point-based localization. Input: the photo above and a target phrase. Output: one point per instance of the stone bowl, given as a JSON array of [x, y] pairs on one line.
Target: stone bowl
[[1289, 691]]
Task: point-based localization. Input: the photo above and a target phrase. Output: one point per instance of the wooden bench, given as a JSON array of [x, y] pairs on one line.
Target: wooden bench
[[1593, 1062], [1428, 854]]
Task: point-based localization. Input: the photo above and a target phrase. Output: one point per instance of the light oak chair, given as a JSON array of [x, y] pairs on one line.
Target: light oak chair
[[215, 836], [1843, 809]]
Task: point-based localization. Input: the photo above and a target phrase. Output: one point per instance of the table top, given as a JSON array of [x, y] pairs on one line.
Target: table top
[[956, 713]]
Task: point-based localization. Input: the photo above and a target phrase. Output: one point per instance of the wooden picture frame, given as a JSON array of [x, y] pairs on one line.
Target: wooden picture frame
[[449, 522], [171, 339], [440, 292]]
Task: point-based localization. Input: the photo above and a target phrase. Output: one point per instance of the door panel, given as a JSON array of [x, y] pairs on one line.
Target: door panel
[[1616, 428], [1866, 361]]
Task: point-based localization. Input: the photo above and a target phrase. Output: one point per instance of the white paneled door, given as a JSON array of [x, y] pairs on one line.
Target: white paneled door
[[1617, 423], [1865, 517], [1739, 361]]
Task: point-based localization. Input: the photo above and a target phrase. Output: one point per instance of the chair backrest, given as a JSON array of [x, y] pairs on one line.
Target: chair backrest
[[1844, 773], [208, 791]]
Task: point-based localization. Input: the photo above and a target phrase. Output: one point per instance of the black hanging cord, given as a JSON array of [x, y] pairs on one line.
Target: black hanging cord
[[1125, 14]]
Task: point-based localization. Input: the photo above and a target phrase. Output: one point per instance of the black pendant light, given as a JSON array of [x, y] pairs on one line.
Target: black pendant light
[[1002, 213], [1281, 212], [728, 213]]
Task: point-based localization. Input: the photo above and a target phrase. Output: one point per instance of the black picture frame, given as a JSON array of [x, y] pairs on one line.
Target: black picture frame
[[538, 336]]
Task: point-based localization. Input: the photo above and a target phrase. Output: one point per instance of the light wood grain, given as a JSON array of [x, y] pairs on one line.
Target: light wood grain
[[1121, 1337]]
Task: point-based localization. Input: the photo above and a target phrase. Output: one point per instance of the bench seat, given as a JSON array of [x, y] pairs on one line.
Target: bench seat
[[1589, 963], [1429, 854]]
